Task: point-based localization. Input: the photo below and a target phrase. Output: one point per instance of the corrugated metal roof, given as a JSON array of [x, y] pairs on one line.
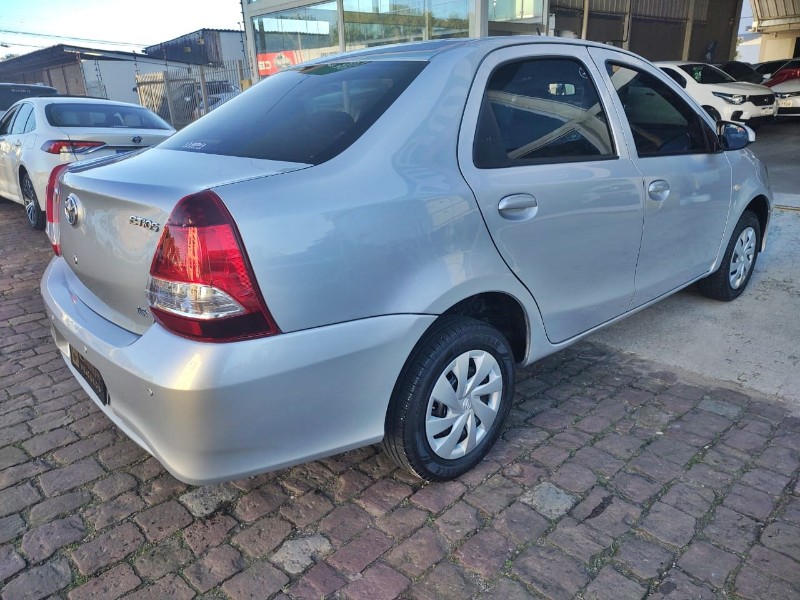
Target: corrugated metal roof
[[654, 9], [775, 9]]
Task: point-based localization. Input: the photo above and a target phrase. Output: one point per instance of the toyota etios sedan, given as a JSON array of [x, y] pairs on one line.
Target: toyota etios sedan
[[363, 248]]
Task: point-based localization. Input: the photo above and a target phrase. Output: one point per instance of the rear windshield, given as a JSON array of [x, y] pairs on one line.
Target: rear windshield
[[308, 115], [703, 73], [11, 93], [102, 115]]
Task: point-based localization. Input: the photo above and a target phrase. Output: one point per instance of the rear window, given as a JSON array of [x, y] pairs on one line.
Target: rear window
[[11, 93], [102, 116], [307, 115]]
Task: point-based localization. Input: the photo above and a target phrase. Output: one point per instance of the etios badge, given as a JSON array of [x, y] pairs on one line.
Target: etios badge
[[71, 209]]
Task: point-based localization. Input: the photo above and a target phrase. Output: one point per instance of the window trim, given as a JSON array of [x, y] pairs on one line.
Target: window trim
[[515, 163]]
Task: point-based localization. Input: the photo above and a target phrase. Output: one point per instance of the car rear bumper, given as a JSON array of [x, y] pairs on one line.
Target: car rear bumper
[[215, 412]]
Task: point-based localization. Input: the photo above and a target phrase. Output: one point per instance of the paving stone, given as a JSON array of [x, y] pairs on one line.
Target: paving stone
[[10, 527], [731, 530], [781, 460], [69, 477], [111, 584], [378, 465], [10, 562], [550, 456], [344, 522], [54, 507], [620, 446], [744, 440], [598, 461], [113, 485], [690, 498], [350, 484], [170, 586], [361, 552], [41, 542], [773, 564], [550, 572], [320, 582], [446, 582], [607, 513], [163, 520], [579, 540], [765, 481], [205, 500], [749, 501], [708, 563], [706, 476], [655, 467], [552, 419], [148, 469], [378, 583], [520, 523], [163, 558], [263, 536], [436, 497], [15, 499], [782, 537], [493, 495], [108, 548], [723, 461], [524, 473], [634, 487], [295, 555], [549, 500], [755, 585], [791, 511], [418, 553], [39, 582], [669, 525], [383, 496], [571, 439], [121, 454], [261, 580], [485, 553], [678, 586], [207, 533], [644, 559], [725, 409], [402, 521], [215, 567], [114, 510], [611, 584], [574, 477], [307, 509], [458, 522], [260, 502]]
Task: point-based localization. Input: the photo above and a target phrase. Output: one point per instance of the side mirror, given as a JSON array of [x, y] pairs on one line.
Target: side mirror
[[734, 136]]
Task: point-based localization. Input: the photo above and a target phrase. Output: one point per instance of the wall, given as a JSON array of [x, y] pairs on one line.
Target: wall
[[778, 45]]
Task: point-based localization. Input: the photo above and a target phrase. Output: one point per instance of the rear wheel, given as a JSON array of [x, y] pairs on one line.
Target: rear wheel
[[452, 399], [36, 217], [730, 280]]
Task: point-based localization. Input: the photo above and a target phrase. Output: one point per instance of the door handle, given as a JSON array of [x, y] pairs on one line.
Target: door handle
[[518, 207], [658, 190]]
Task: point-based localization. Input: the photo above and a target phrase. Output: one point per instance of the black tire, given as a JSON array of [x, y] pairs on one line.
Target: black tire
[[718, 285], [406, 438], [36, 217], [714, 113]]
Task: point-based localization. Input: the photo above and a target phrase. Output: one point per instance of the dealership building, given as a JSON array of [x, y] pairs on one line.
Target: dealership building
[[281, 33]]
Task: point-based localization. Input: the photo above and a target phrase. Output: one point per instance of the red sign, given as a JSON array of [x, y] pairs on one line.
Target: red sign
[[270, 63]]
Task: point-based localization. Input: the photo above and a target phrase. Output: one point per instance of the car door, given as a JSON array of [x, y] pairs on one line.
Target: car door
[[18, 137], [687, 176], [6, 146], [561, 199]]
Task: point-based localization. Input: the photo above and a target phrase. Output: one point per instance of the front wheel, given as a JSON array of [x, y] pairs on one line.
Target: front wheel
[[729, 281], [36, 216], [451, 400]]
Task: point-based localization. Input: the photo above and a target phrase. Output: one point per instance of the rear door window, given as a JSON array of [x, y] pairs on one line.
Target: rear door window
[[307, 115], [23, 115]]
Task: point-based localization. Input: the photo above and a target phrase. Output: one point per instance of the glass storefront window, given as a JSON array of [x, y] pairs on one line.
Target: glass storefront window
[[291, 37]]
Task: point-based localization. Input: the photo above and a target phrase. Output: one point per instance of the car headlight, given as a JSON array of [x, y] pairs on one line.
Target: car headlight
[[788, 94], [731, 98]]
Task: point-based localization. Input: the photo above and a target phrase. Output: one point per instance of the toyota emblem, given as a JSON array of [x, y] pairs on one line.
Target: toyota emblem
[[71, 209], [137, 139]]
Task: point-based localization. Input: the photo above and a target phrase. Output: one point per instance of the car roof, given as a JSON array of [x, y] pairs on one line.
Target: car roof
[[45, 100]]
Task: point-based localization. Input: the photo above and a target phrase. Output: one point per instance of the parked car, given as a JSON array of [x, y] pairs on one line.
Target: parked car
[[11, 92], [37, 134], [364, 247], [769, 68], [724, 98], [785, 74], [788, 95], [217, 93], [741, 71]]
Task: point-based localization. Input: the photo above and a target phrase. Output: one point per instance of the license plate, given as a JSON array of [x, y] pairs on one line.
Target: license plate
[[767, 110], [785, 103], [90, 374]]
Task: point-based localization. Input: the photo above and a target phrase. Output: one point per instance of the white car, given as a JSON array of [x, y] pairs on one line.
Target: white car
[[724, 98], [38, 134], [788, 95]]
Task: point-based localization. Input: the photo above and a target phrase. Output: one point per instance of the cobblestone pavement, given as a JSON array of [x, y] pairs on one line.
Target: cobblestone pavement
[[615, 478]]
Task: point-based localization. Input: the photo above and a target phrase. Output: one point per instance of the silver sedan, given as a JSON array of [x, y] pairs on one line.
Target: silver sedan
[[365, 247]]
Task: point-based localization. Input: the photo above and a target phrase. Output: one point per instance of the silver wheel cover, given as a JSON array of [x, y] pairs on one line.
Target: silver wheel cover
[[744, 252], [463, 404]]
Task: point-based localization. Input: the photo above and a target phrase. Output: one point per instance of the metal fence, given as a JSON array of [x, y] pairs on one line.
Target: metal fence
[[182, 95]]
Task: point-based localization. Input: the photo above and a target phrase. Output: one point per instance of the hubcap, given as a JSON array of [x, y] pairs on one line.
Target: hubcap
[[463, 404], [744, 253]]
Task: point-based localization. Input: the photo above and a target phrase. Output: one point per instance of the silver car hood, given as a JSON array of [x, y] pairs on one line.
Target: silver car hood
[[109, 252]]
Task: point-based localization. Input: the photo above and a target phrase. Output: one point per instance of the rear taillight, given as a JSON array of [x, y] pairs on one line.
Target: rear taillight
[[68, 146], [53, 205], [201, 284]]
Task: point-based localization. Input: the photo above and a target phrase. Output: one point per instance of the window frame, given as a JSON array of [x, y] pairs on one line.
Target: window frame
[[506, 162]]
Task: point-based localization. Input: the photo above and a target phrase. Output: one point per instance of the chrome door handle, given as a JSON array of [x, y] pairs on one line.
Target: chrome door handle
[[518, 207], [658, 190]]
